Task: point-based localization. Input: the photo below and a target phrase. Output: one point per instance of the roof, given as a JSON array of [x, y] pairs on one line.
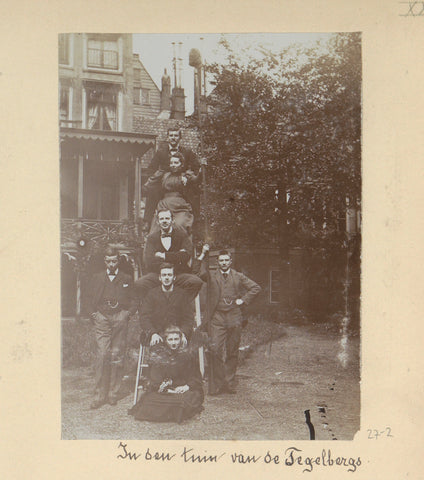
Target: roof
[[123, 145]]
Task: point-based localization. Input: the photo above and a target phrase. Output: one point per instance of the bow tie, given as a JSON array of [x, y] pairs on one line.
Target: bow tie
[[112, 273], [165, 235]]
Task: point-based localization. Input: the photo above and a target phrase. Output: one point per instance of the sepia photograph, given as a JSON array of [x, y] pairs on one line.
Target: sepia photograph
[[210, 235]]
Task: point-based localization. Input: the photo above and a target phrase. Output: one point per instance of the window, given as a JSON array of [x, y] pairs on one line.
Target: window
[[64, 49], [274, 286], [137, 75], [137, 95], [103, 54], [101, 109], [141, 96], [145, 96]]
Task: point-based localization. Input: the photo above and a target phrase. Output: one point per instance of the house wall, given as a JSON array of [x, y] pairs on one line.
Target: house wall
[[76, 74], [152, 108]]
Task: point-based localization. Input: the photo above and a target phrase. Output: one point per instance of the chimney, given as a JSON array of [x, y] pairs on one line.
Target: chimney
[[178, 96], [195, 61], [165, 94], [178, 103]]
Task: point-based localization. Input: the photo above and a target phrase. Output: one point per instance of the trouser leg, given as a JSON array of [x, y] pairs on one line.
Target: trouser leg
[[144, 284], [217, 346], [103, 333], [232, 349], [190, 283], [118, 351]]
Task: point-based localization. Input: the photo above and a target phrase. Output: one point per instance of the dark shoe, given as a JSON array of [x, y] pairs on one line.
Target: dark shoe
[[113, 400], [95, 404]]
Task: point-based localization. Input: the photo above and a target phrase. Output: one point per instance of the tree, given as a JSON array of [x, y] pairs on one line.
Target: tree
[[285, 123]]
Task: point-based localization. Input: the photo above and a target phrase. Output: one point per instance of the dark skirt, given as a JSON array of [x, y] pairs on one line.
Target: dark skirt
[[168, 407]]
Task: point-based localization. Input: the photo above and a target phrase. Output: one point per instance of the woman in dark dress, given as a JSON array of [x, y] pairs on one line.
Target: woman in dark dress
[[175, 390], [175, 187]]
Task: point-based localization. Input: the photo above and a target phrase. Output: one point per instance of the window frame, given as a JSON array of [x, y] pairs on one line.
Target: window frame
[[101, 68]]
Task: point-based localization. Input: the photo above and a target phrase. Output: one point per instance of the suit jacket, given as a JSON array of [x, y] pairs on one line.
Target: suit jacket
[[160, 162], [159, 311], [179, 253], [124, 290], [247, 289]]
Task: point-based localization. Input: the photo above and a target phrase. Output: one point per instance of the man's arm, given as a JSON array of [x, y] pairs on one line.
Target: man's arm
[[131, 300], [251, 287], [147, 316], [150, 260], [183, 255], [177, 258], [153, 183], [199, 266], [186, 322], [191, 160], [159, 160]]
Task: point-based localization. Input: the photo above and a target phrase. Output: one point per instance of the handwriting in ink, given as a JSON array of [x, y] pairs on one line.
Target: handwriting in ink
[[187, 456], [158, 456], [326, 459], [240, 458], [149, 455], [127, 454]]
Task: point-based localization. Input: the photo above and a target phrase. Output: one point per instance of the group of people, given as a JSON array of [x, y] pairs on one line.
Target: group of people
[[164, 298]]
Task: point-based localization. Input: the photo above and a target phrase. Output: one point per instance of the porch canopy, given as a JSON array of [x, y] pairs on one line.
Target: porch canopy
[[101, 173], [106, 143]]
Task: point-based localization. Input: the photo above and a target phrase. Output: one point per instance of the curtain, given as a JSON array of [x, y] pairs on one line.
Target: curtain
[[111, 117], [93, 113]]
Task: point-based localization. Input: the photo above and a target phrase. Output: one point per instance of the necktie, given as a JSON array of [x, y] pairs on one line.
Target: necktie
[[225, 275], [165, 235]]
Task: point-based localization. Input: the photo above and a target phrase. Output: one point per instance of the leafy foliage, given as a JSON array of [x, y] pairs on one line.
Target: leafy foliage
[[285, 123]]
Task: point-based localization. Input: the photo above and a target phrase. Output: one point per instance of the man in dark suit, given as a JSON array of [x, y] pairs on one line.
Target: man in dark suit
[[228, 291], [161, 163], [111, 301], [164, 306], [171, 245]]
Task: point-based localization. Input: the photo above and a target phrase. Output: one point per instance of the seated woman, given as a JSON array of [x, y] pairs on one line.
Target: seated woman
[[175, 187], [174, 392]]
